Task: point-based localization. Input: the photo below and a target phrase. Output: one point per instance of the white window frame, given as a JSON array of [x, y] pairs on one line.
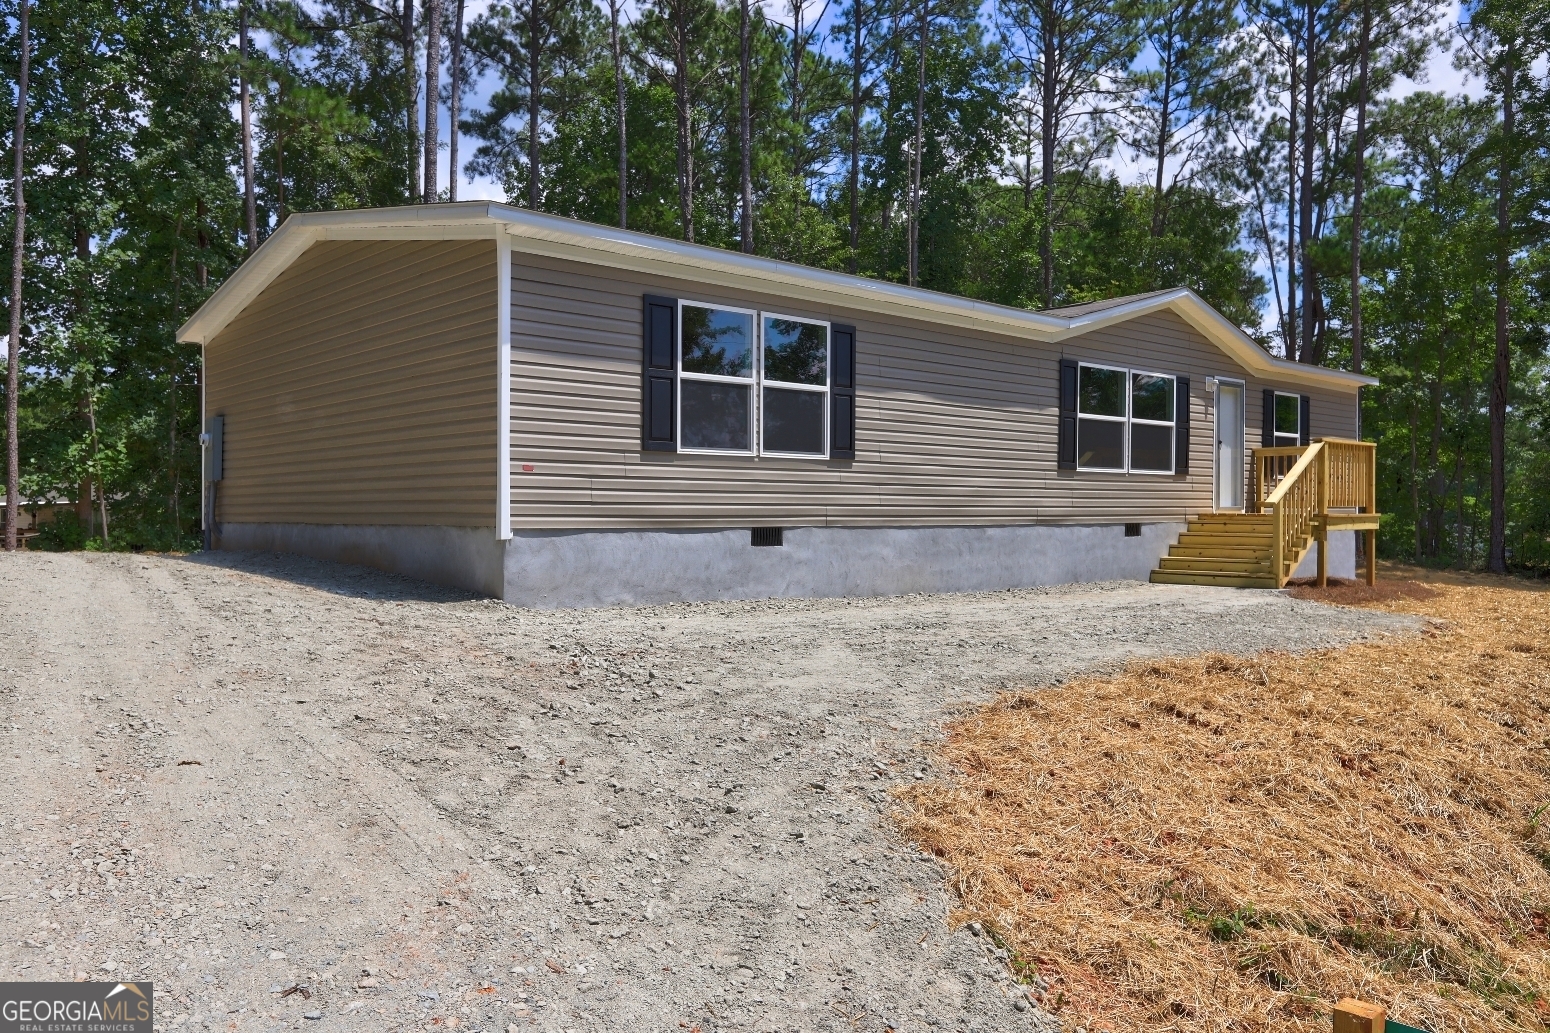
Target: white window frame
[[1123, 419], [1173, 424], [1276, 435], [828, 382], [1128, 419], [751, 381]]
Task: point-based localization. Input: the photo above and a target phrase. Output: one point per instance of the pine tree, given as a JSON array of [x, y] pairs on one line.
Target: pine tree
[[1068, 52]]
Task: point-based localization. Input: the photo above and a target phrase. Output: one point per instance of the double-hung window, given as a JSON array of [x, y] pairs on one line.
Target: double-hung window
[[1288, 420], [1151, 422], [752, 383], [716, 353], [1125, 420], [794, 368]]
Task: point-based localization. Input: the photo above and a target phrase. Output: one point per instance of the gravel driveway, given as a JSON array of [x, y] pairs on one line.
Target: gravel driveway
[[239, 775]]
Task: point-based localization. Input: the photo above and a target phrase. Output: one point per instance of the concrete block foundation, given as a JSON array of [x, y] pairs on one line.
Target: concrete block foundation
[[1342, 557], [554, 569], [607, 568]]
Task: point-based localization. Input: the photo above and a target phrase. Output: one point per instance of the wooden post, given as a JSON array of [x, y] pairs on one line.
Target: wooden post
[[1321, 510], [1353, 1016], [1277, 529], [1372, 558]]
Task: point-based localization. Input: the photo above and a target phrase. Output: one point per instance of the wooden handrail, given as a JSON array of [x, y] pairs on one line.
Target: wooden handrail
[[1270, 466], [1296, 501], [1299, 487]]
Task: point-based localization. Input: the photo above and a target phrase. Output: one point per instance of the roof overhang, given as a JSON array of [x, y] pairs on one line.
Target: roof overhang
[[555, 237]]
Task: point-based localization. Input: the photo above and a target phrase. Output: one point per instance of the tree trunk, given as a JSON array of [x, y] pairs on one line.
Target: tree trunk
[[411, 88], [202, 239], [18, 255], [1290, 332], [1310, 283], [455, 101], [1436, 487], [1270, 252], [745, 132], [432, 95], [1163, 135], [799, 41], [685, 129], [1415, 484], [1027, 157], [1048, 130], [1496, 557], [857, 71], [83, 501], [1320, 336], [620, 112], [249, 201], [279, 179], [920, 136], [534, 98], [1359, 172], [172, 389], [96, 457]]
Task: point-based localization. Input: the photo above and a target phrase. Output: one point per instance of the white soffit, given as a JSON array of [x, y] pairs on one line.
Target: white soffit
[[555, 237]]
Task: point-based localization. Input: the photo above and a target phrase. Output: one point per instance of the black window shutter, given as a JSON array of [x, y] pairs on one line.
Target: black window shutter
[[1303, 414], [1065, 458], [842, 392], [1181, 426], [659, 375], [1268, 438]]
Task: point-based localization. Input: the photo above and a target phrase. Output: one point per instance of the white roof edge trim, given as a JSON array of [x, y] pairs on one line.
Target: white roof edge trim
[[558, 237], [300, 231]]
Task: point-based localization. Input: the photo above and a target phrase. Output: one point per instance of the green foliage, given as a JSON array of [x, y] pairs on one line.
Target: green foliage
[[1430, 312], [136, 209]]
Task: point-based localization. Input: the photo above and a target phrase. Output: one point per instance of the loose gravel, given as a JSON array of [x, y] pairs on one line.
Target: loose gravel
[[302, 795]]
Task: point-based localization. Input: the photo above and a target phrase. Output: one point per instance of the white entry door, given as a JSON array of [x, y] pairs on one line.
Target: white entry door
[[1229, 445]]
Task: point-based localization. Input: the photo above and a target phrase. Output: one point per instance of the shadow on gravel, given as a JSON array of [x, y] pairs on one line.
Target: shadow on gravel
[[328, 576]]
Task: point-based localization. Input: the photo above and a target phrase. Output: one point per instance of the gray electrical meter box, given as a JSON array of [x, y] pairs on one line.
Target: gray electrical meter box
[[213, 441]]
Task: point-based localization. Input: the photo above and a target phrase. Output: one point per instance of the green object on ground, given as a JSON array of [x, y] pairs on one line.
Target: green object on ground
[[1390, 1026]]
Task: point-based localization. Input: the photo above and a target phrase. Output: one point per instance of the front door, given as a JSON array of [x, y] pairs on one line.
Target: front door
[[1229, 445]]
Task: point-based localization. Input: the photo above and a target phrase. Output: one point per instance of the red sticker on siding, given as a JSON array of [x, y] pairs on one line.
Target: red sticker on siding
[[527, 467]]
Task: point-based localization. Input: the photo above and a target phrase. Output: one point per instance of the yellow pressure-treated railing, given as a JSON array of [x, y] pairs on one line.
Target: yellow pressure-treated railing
[[1300, 487], [1352, 471], [1270, 466], [1294, 505]]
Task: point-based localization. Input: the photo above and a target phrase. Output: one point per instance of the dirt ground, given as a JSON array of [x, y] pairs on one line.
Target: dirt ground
[[247, 774]]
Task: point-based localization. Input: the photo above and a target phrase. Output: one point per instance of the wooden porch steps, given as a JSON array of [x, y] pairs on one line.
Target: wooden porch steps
[[1301, 494], [1230, 550]]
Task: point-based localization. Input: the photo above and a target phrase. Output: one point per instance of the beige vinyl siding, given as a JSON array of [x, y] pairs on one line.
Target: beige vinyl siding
[[952, 428], [360, 388]]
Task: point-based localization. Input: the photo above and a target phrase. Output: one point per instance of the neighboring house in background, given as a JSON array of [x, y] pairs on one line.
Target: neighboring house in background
[[34, 512], [557, 413]]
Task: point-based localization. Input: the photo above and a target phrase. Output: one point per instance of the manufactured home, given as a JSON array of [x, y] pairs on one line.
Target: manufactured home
[[562, 414]]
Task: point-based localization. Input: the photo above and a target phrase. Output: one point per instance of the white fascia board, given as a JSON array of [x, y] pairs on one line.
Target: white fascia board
[[556, 237], [1226, 335], [462, 221]]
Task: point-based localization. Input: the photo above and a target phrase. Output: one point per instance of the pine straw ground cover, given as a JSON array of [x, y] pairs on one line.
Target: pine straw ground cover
[[1221, 843]]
